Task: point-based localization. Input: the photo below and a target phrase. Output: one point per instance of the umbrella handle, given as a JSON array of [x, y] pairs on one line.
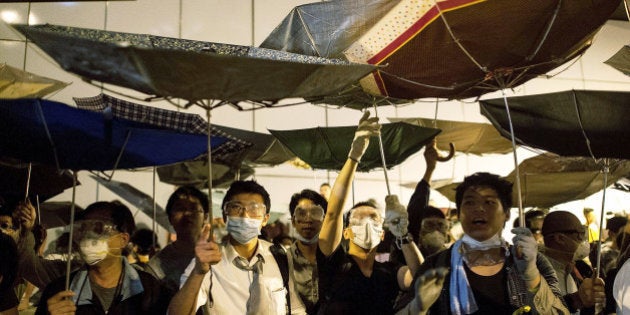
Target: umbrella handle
[[605, 171], [380, 144], [450, 155]]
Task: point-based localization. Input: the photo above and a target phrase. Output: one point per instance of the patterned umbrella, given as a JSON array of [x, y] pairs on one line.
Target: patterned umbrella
[[192, 70], [56, 134], [464, 48]]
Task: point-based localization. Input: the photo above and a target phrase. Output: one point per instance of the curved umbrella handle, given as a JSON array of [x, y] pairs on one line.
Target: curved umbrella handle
[[451, 153]]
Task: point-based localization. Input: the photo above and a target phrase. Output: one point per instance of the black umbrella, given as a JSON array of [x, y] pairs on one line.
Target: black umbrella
[[54, 214], [44, 182], [570, 123], [621, 60]]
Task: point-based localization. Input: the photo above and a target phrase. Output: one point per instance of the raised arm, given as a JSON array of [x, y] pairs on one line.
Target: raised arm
[[332, 227]]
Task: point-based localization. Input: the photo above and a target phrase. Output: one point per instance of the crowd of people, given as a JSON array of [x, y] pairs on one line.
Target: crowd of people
[[405, 260]]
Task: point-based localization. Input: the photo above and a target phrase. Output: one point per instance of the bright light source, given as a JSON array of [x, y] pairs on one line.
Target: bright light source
[[9, 16]]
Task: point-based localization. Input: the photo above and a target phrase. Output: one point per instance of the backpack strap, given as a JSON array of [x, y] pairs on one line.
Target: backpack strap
[[280, 255]]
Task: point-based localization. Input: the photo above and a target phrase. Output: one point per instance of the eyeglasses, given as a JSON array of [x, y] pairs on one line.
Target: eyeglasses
[[237, 209], [315, 213], [92, 228]]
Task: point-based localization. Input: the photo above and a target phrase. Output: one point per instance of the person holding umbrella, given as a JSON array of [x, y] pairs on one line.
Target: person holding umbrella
[[107, 283], [481, 273], [352, 281]]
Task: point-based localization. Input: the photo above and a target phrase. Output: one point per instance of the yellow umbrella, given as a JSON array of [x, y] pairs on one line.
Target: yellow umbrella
[[15, 83]]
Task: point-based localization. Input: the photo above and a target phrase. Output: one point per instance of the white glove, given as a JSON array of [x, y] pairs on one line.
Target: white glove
[[525, 250], [367, 128], [396, 217]]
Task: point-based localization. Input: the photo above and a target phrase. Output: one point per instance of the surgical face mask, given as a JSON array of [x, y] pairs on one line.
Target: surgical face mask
[[433, 242], [93, 250], [243, 230], [582, 251], [304, 240], [367, 234], [495, 241]]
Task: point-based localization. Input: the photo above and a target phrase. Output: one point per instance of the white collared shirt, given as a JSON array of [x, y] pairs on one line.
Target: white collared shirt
[[230, 285]]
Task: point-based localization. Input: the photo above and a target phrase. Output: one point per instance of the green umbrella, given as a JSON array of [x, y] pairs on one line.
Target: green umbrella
[[327, 147]]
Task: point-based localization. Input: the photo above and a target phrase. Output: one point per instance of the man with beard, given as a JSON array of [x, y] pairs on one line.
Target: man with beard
[[107, 283], [187, 209], [240, 275]]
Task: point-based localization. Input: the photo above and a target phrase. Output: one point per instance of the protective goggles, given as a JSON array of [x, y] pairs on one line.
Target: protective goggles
[[315, 213], [92, 229], [251, 210]]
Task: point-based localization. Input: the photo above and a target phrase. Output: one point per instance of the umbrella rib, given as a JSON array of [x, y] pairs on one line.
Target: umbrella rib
[[456, 41], [40, 112], [579, 120], [308, 33], [547, 30]]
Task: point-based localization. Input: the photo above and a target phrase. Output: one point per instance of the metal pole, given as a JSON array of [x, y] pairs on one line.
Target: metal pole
[[521, 214], [208, 117], [71, 234], [380, 144], [605, 170]]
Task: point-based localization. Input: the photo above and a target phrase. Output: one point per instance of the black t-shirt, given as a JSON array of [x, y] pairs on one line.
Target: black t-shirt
[[343, 289], [8, 299], [490, 293]]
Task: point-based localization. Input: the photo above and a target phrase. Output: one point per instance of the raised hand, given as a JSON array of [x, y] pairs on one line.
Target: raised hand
[[396, 217], [428, 288], [591, 291], [61, 303], [525, 251], [207, 252], [26, 214], [368, 127]]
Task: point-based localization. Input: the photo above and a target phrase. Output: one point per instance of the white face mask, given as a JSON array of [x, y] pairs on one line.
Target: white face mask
[[243, 230], [495, 241], [304, 240], [367, 234], [582, 251], [93, 250]]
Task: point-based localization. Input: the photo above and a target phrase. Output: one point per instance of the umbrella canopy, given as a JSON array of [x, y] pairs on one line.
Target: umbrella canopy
[[195, 173], [56, 134], [327, 147], [468, 137], [45, 181], [15, 83], [548, 179], [137, 198], [192, 70], [465, 48], [569, 123], [621, 60], [266, 149], [163, 118], [56, 213]]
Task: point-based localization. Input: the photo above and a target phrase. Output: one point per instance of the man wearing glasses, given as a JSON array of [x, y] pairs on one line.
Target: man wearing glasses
[[241, 275], [307, 210], [107, 283], [565, 244]]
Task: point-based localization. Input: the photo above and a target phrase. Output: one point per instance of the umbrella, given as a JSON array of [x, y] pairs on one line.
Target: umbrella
[[166, 119], [549, 179], [266, 149], [468, 137], [464, 48], [192, 70], [56, 134], [137, 198], [327, 147], [621, 60], [45, 181], [15, 83], [195, 173], [569, 123], [621, 13], [56, 213]]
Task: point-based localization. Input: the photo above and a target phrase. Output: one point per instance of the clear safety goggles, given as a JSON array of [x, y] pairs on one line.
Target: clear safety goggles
[[238, 209], [314, 213], [92, 229]]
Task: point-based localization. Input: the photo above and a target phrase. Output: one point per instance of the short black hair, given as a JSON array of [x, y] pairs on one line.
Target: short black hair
[[500, 185], [247, 187], [309, 194], [187, 191], [119, 214]]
